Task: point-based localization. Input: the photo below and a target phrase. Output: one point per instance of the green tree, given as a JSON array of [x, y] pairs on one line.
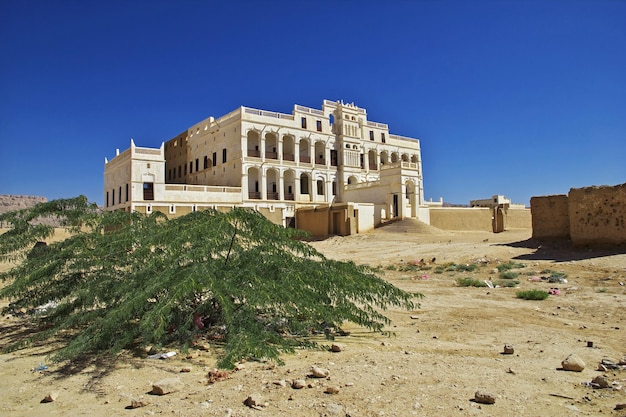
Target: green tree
[[126, 279]]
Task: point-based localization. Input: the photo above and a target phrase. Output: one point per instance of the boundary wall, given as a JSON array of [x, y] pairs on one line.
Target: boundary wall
[[593, 215]]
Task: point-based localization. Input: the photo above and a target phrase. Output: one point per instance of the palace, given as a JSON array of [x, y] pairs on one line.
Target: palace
[[328, 171]]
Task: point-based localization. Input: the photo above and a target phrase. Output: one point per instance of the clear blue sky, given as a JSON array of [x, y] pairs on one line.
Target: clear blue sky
[[520, 98]]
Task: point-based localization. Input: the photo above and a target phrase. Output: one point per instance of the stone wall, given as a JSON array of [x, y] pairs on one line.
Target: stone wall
[[598, 215], [588, 216], [550, 217]]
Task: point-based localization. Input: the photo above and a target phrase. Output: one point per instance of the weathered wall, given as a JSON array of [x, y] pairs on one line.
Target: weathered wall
[[598, 215], [314, 221], [550, 217], [517, 219], [458, 218]]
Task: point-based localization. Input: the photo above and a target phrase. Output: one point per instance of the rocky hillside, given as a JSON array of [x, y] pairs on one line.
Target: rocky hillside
[[17, 202]]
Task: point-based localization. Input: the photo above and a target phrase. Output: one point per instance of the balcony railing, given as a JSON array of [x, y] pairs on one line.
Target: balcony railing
[[254, 152], [306, 159], [252, 195]]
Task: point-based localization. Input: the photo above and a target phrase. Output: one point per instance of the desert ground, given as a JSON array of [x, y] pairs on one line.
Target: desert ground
[[438, 357]]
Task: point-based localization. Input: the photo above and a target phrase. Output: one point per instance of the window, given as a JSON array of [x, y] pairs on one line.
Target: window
[[371, 135], [190, 167], [185, 169], [113, 196], [197, 164], [333, 157], [179, 172], [107, 199], [304, 184], [148, 165], [382, 137], [206, 161], [214, 158], [303, 121], [126, 192], [119, 194], [224, 155], [319, 125], [320, 187], [148, 191], [334, 188]]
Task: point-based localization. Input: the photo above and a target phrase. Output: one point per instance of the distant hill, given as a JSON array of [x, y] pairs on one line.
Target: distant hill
[[16, 202]]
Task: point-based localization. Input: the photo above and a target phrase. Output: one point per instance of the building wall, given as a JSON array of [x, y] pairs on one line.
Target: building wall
[[550, 217], [276, 163], [598, 215]]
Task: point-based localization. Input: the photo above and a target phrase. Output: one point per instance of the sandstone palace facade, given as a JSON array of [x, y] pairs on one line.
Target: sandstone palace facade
[[329, 171]]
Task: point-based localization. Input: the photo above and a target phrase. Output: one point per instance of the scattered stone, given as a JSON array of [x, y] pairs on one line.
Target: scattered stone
[[281, 383], [620, 406], [510, 371], [508, 349], [601, 381], [217, 375], [50, 397], [255, 401], [317, 372], [167, 386], [186, 369], [483, 397], [573, 363], [337, 347], [298, 383], [138, 403], [332, 390]]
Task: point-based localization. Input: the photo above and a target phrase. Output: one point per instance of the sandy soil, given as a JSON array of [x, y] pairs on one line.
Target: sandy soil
[[439, 357]]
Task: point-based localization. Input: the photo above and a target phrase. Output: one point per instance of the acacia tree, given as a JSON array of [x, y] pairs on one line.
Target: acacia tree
[[123, 279]]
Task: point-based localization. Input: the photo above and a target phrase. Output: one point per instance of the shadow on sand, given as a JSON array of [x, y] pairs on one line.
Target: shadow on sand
[[562, 250]]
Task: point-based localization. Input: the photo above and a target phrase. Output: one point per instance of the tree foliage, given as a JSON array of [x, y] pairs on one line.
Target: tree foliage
[[123, 279]]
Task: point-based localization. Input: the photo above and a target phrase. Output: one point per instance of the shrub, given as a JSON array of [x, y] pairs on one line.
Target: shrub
[[466, 267], [532, 294], [470, 282], [509, 265], [124, 280], [509, 274], [508, 283]]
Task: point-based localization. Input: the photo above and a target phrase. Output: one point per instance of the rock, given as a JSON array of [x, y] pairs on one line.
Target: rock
[[318, 372], [573, 363], [186, 369], [255, 401], [332, 390], [137, 403], [483, 397], [167, 386], [508, 349], [298, 383], [620, 406], [50, 397], [281, 383], [601, 381], [336, 347]]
